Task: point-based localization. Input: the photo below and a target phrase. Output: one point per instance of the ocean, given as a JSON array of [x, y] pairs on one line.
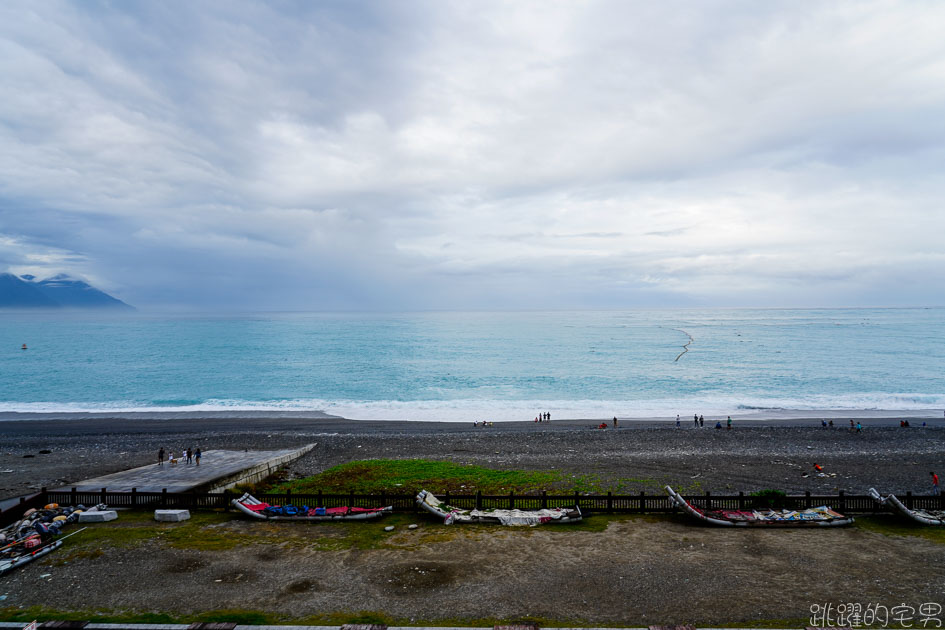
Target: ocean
[[477, 366]]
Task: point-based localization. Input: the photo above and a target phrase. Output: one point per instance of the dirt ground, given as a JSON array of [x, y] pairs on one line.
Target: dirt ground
[[630, 571]]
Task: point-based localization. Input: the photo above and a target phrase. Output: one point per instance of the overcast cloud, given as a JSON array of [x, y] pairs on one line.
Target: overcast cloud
[[413, 155]]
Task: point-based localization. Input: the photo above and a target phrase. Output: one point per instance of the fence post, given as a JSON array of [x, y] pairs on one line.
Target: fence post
[[478, 499], [288, 496], [226, 503], [708, 500], [741, 500], [103, 497], [45, 495], [642, 501], [446, 499], [544, 499], [843, 503], [807, 499], [610, 501], [134, 497], [909, 499], [164, 498], [321, 502], [511, 499], [351, 499], [74, 497], [577, 499]]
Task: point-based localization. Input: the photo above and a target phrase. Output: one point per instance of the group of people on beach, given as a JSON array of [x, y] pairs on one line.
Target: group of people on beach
[[188, 454], [698, 422], [544, 416]]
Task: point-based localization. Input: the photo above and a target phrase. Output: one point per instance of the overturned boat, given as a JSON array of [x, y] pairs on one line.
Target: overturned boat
[[813, 517], [926, 517], [451, 514], [251, 506]]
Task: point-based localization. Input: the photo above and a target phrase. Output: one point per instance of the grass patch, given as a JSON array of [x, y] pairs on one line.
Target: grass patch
[[895, 526], [408, 475], [395, 476]]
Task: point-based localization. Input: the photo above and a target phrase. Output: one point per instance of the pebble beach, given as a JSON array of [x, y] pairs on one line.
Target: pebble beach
[[639, 455]]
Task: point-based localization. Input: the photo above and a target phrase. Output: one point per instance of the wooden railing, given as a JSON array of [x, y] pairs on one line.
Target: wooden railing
[[609, 503]]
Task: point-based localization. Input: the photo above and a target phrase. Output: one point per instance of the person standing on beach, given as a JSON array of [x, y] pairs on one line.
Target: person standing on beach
[[934, 484], [701, 421], [677, 421], [197, 456], [615, 422], [695, 419], [859, 427], [161, 456], [728, 424]]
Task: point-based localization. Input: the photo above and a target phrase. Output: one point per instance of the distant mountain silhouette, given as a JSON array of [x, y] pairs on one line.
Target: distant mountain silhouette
[[60, 291]]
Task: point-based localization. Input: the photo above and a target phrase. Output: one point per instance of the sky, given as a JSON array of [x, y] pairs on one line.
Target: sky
[[476, 155]]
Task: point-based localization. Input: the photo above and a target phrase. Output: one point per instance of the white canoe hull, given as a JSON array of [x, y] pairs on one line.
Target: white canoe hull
[[531, 518], [756, 520], [919, 516]]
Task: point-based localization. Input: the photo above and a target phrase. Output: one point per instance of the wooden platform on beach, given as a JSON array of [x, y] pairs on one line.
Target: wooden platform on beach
[[218, 469]]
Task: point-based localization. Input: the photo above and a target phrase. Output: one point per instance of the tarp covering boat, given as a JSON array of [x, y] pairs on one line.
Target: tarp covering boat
[[813, 517], [251, 506], [926, 517], [451, 514]]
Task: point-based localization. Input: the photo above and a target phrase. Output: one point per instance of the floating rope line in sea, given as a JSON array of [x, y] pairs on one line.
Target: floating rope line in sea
[[685, 346]]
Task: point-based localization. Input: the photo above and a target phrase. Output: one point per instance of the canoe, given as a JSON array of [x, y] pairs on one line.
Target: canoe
[[926, 517], [451, 514], [11, 563], [251, 506], [814, 517]]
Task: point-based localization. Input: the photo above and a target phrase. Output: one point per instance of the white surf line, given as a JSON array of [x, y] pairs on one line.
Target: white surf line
[[685, 346]]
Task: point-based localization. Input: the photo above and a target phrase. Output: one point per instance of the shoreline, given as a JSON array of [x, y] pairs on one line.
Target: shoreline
[[177, 420]]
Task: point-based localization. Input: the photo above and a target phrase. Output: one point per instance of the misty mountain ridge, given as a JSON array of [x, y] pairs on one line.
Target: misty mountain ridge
[[59, 291]]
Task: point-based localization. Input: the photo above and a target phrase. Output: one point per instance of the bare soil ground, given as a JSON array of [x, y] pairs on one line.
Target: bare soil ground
[[631, 571]]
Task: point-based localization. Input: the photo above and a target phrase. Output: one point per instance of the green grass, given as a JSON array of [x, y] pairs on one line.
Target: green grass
[[378, 476], [898, 526], [406, 475]]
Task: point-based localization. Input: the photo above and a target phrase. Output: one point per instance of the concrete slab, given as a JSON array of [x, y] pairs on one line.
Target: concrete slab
[[97, 516], [217, 469], [171, 516]]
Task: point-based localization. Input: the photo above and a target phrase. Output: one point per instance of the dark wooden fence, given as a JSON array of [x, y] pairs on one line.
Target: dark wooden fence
[[641, 503]]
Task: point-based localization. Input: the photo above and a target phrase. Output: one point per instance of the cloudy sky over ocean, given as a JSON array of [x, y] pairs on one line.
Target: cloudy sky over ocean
[[414, 155]]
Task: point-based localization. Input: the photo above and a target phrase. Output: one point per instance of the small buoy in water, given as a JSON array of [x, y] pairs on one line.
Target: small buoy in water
[[24, 346]]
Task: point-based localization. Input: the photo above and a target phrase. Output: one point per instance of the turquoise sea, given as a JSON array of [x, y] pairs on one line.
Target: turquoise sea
[[475, 366]]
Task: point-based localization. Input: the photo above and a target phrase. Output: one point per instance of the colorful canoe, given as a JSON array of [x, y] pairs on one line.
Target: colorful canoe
[[814, 517], [926, 517], [251, 506], [451, 514]]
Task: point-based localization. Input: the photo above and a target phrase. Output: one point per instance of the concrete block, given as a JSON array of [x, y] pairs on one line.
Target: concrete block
[[171, 516], [98, 516]]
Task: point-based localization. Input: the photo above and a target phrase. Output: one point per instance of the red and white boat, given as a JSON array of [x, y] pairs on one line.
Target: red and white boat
[[251, 506]]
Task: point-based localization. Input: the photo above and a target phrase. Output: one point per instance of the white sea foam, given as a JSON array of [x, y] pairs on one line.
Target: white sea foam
[[511, 410]]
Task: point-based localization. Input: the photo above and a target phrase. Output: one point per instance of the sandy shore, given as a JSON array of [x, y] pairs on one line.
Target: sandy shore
[[640, 455]]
